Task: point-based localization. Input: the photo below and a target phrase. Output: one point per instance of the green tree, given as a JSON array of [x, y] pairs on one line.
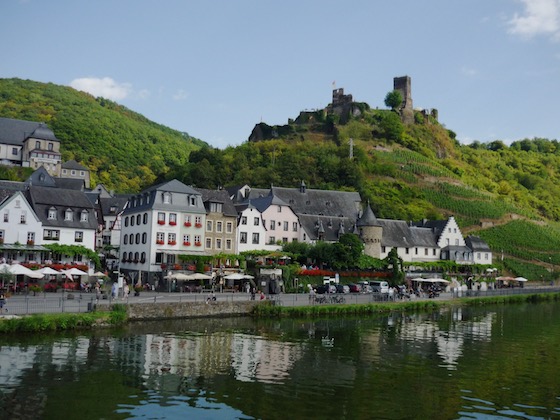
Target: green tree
[[394, 99], [395, 263]]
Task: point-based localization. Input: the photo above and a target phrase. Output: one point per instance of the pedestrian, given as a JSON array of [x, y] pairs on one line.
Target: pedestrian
[[97, 291], [253, 291], [263, 297], [114, 290], [3, 302], [126, 291]]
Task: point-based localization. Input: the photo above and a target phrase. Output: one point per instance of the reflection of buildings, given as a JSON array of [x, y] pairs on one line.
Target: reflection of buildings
[[450, 342]]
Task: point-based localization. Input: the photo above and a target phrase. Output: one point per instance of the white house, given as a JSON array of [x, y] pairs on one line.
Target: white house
[[159, 224], [251, 231]]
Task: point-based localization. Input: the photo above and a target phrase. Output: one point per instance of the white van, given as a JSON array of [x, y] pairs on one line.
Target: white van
[[379, 286]]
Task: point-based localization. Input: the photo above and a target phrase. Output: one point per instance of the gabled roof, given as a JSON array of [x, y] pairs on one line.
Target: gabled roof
[[263, 203], [218, 196], [172, 186], [42, 199], [15, 132], [70, 183], [476, 244], [72, 164], [398, 233], [330, 227], [41, 177]]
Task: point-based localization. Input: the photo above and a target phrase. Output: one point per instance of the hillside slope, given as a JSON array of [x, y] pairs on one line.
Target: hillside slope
[[124, 150]]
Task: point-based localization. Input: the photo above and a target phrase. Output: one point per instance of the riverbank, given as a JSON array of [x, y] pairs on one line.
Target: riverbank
[[116, 314]]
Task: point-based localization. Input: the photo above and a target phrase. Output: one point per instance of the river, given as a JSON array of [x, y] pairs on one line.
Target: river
[[499, 362]]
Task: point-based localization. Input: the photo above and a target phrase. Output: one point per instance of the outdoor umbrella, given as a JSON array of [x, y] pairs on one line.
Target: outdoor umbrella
[[235, 276], [47, 271], [179, 276], [199, 276], [18, 269], [520, 279]]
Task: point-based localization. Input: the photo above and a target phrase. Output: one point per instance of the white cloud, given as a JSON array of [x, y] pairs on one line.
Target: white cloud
[[104, 87], [469, 72], [180, 95], [541, 17]]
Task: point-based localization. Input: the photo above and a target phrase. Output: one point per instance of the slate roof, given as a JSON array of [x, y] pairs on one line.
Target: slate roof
[[398, 233], [44, 198], [262, 203], [15, 132], [437, 226], [476, 244], [70, 183], [72, 164], [173, 186], [218, 196], [330, 227], [368, 218]]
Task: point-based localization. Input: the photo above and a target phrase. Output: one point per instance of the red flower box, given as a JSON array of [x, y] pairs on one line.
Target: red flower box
[[172, 223], [187, 243], [159, 242], [188, 224], [197, 244], [161, 222], [198, 225], [172, 243]]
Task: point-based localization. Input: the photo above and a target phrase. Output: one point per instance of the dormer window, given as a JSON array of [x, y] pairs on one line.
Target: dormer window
[[52, 214], [192, 200], [69, 215], [84, 216], [166, 198]]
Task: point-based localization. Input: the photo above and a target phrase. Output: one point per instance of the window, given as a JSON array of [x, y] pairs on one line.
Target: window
[[218, 244], [426, 251], [138, 238], [51, 234], [407, 251], [279, 209], [434, 252], [126, 221], [256, 221], [79, 236], [243, 237], [243, 220], [145, 218], [160, 237], [172, 219], [23, 217], [171, 238], [82, 173], [144, 237], [187, 221], [216, 207], [286, 226], [51, 147], [84, 216], [485, 255], [37, 145], [159, 257], [186, 238], [208, 243], [415, 251], [272, 240], [229, 227], [192, 201], [166, 198], [273, 225], [161, 218], [30, 237], [138, 219], [6, 216], [209, 226], [285, 240], [14, 151], [456, 241], [2, 235], [73, 172], [294, 226], [218, 226], [198, 221], [125, 239], [132, 220], [383, 249], [255, 238], [52, 214], [228, 243], [68, 215], [197, 239]]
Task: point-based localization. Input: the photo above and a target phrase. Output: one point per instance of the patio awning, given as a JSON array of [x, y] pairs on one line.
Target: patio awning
[[29, 248]]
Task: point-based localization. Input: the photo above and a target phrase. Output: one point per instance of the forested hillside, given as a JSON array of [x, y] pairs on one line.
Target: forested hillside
[[124, 150], [509, 195]]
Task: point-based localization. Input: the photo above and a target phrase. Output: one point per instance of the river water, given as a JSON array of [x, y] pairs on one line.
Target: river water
[[496, 362]]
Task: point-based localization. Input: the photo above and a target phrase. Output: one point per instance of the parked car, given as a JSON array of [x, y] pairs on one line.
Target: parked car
[[342, 288], [379, 286], [332, 288], [354, 288], [321, 289]]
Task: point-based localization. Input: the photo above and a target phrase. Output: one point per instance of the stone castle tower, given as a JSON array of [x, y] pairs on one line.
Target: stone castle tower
[[403, 85], [370, 232]]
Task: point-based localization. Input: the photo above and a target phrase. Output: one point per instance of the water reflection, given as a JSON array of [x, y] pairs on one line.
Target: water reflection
[[449, 362]]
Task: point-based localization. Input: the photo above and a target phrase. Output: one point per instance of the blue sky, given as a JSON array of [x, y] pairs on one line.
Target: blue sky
[[216, 68]]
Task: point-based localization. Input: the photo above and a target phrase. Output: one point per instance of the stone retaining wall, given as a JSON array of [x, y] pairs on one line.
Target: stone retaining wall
[[139, 311]]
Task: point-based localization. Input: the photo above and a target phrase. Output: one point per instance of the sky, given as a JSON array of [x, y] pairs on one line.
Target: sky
[[216, 68]]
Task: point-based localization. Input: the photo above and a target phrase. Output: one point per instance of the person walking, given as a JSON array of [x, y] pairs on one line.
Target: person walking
[[3, 302], [126, 291]]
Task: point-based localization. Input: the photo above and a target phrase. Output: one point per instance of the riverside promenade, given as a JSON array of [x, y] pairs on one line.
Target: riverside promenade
[[80, 302]]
